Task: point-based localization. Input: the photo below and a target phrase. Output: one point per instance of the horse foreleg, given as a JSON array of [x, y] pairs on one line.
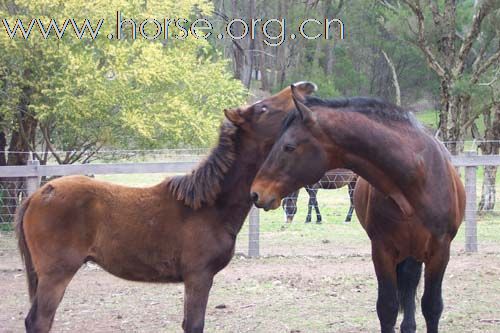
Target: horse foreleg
[[432, 300], [196, 289], [49, 293], [387, 301]]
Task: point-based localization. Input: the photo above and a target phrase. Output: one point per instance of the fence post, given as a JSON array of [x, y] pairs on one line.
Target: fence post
[[470, 206], [253, 232], [32, 182]]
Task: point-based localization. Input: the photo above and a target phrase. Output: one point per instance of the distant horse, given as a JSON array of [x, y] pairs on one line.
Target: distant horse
[[181, 230], [410, 199], [332, 180]]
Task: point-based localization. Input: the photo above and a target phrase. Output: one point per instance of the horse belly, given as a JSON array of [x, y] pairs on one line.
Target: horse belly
[[138, 266], [138, 252]]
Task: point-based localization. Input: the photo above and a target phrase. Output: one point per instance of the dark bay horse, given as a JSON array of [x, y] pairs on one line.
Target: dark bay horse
[[332, 180], [181, 230], [410, 199]]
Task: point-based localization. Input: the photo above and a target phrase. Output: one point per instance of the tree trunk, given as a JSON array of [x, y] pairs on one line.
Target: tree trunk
[[281, 51], [261, 58], [454, 109], [487, 202], [250, 54], [238, 51], [490, 146], [13, 189], [330, 59], [3, 192], [330, 45], [3, 145]]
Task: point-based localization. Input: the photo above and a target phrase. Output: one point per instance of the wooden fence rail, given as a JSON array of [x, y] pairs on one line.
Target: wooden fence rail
[[34, 171]]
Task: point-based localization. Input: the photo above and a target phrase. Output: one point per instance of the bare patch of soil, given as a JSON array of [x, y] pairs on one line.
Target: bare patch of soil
[[274, 294]]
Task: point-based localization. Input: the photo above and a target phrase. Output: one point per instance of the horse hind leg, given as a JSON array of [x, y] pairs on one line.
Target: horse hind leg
[[309, 206], [319, 219], [351, 187], [432, 300], [408, 276], [289, 204], [49, 293], [313, 203]]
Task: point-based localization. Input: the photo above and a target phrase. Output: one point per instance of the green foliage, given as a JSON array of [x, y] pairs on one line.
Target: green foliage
[[127, 93]]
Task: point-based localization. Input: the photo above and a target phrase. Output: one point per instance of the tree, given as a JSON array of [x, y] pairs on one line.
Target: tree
[[79, 95], [459, 55]]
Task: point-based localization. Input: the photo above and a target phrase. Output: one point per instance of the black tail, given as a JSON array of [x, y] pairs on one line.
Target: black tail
[[31, 275], [408, 274]]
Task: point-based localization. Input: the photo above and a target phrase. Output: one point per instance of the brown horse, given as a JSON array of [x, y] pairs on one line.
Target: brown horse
[[332, 180], [411, 203], [181, 230]]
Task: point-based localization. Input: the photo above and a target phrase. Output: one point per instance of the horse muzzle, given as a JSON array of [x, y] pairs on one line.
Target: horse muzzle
[[261, 201]]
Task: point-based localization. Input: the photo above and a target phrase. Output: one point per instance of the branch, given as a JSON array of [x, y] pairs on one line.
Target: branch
[[495, 78], [92, 153], [483, 11], [339, 7], [76, 156], [394, 78], [480, 54], [46, 137], [388, 5], [474, 117], [25, 137], [494, 58], [422, 42], [435, 12]]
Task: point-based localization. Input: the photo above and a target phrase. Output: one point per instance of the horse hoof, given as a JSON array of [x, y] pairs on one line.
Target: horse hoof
[[319, 222]]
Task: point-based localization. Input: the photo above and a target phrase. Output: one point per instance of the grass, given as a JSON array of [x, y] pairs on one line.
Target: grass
[[429, 118], [298, 238]]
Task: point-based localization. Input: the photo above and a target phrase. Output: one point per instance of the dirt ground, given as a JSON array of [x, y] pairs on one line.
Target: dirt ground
[[334, 293]]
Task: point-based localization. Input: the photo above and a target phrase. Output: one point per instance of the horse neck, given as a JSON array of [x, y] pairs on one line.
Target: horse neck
[[234, 201], [389, 154]]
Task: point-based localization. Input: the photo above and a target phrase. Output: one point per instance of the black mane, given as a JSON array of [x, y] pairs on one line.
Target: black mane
[[374, 108], [204, 183]]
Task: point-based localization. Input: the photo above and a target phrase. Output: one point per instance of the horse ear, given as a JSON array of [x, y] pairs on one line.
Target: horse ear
[[234, 116], [303, 88], [305, 113]]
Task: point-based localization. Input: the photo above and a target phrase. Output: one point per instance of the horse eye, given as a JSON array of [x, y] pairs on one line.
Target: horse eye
[[260, 108], [288, 148]]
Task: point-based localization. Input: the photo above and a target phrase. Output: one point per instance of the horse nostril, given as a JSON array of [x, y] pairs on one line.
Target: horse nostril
[[254, 196]]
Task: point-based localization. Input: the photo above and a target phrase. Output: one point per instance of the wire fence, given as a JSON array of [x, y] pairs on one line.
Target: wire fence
[[169, 154], [12, 192], [294, 229], [117, 155]]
